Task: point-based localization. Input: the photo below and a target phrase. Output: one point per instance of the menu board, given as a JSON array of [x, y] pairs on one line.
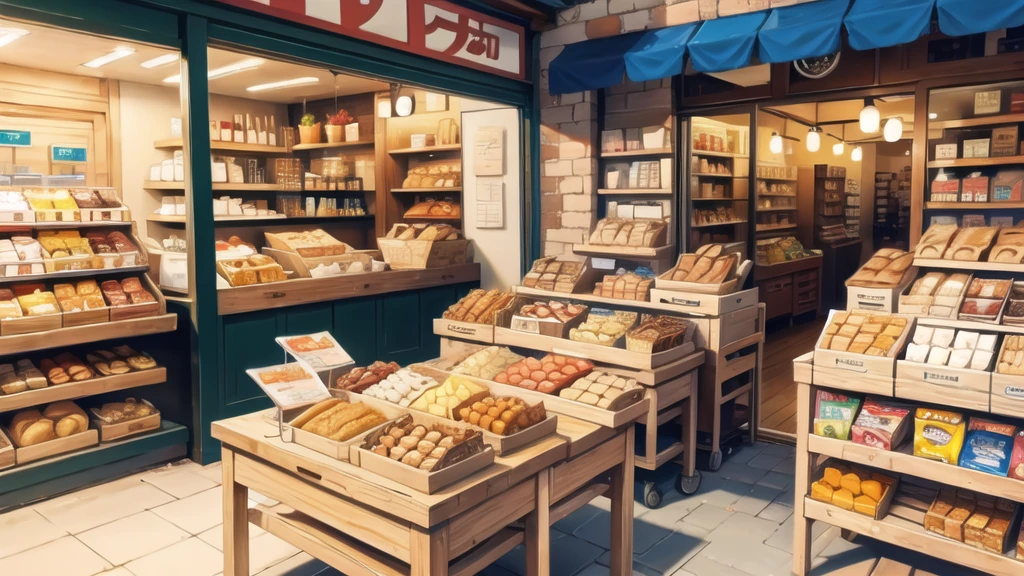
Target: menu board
[[318, 351], [290, 385]]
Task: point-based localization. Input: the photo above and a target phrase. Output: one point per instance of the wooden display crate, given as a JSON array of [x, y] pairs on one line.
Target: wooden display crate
[[341, 450], [7, 458], [593, 352], [717, 333], [483, 333], [17, 217], [86, 317], [421, 480], [883, 505], [858, 372], [58, 215], [130, 311], [30, 324], [128, 428], [665, 282], [24, 455], [879, 299], [959, 387], [922, 305], [1007, 397], [709, 304], [292, 262], [803, 367], [421, 254], [122, 214]]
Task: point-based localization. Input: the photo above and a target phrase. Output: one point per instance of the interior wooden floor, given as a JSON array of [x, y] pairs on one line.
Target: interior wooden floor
[[778, 391]]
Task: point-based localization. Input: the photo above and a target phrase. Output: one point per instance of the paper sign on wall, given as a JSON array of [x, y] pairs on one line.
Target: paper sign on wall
[[489, 151], [490, 203]]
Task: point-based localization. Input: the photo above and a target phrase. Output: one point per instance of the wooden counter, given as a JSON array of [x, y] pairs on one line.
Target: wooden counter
[[309, 290], [362, 523]]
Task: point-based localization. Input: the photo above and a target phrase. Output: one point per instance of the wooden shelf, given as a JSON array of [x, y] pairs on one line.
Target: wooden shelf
[[176, 143], [256, 220], [428, 149], [774, 228], [72, 274], [903, 463], [73, 390], [63, 225], [228, 187], [973, 122], [63, 337], [773, 209], [433, 218], [717, 154], [595, 352], [426, 190], [777, 179], [913, 537], [968, 162], [776, 195], [973, 205], [635, 191], [594, 299], [624, 252], [711, 175], [644, 152], [730, 223], [968, 265], [719, 199], [323, 145]]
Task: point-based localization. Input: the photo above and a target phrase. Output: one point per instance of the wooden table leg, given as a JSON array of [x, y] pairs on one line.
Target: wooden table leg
[[538, 529], [236, 519], [428, 551], [621, 493], [802, 555], [688, 421]]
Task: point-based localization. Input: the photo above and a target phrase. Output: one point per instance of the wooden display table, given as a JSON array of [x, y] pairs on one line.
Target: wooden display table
[[362, 523]]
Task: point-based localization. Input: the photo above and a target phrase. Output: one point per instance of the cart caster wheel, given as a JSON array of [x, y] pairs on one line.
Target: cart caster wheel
[[688, 484], [715, 462], [652, 496]]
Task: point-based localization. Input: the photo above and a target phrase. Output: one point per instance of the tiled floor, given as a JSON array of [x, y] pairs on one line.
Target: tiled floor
[[166, 522]]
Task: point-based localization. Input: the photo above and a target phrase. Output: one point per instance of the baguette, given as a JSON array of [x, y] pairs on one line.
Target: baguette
[[313, 412], [357, 426], [483, 303]]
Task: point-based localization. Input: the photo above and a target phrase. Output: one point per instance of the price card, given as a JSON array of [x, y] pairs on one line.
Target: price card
[[290, 386], [318, 352]]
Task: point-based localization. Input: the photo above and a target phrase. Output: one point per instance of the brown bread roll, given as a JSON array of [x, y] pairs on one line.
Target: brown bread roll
[[39, 431]]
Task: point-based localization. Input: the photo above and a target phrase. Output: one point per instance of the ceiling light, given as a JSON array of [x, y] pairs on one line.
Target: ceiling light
[[404, 106], [775, 144], [240, 66], [857, 155], [8, 35], [838, 148], [117, 54], [893, 129], [284, 84], [173, 79], [907, 153], [160, 61], [813, 139], [869, 117], [932, 115]]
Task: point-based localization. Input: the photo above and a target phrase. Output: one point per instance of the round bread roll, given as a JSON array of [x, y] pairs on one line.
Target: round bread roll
[[39, 431], [69, 425], [58, 410], [22, 420]]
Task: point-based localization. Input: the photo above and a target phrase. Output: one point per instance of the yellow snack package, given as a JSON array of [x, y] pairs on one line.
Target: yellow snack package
[[938, 435]]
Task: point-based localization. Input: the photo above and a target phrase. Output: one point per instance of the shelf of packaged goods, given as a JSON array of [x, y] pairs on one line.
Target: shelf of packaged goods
[[776, 195], [428, 149], [711, 175], [433, 218], [426, 190], [57, 276], [973, 205], [73, 390], [325, 145], [635, 191], [968, 265], [227, 187], [970, 162], [719, 199], [624, 252], [718, 154], [256, 220], [307, 290], [777, 179], [777, 209], [972, 122], [7, 226], [729, 223], [903, 463], [774, 228], [63, 337], [175, 143], [643, 152], [969, 325], [913, 536]]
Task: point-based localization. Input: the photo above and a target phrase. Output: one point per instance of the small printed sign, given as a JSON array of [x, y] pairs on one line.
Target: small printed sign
[[318, 351], [67, 154], [290, 385], [19, 138]]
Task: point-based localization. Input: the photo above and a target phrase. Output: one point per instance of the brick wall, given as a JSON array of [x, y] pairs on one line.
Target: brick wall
[[568, 133]]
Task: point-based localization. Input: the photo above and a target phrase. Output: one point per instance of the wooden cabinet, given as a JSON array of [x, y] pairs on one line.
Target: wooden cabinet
[[789, 288]]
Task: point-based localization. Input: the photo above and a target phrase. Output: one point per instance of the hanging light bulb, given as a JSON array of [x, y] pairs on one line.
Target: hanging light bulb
[[870, 118], [775, 144], [813, 139], [893, 130], [838, 148], [857, 154]]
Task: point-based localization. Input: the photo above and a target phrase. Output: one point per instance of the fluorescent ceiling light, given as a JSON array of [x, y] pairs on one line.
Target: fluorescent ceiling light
[[8, 35], [117, 54], [933, 115], [160, 61], [284, 84], [240, 66]]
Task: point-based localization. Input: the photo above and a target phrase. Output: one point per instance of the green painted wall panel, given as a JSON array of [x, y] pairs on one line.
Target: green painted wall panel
[[309, 319], [355, 328], [248, 342]]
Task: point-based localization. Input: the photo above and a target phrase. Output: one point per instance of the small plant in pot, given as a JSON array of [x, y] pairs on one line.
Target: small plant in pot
[[309, 129], [336, 126]]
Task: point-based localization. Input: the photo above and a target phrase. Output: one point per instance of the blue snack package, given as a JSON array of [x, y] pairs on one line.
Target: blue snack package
[[987, 452]]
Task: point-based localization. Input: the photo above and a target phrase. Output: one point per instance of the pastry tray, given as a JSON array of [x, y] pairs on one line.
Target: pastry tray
[[127, 428], [130, 311], [85, 439], [421, 254], [341, 450], [665, 282], [7, 458], [17, 216], [421, 480], [29, 324]]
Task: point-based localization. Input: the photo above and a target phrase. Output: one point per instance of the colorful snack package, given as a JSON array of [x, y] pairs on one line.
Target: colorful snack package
[[1017, 457], [834, 415], [938, 434], [987, 452], [881, 425]]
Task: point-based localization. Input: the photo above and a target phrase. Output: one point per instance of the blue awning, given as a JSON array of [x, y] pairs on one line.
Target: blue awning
[[802, 31], [963, 17], [591, 64], [874, 24], [725, 43], [659, 53]]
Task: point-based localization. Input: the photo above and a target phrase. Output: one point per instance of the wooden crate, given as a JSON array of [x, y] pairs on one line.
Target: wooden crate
[[292, 262], [594, 352], [17, 217], [30, 324], [883, 505], [715, 334], [709, 304], [341, 450], [421, 480], [421, 254], [505, 445], [86, 317], [7, 458], [128, 428], [960, 387], [879, 299], [483, 333], [509, 318], [24, 455], [1007, 395], [130, 311], [122, 214], [803, 366], [858, 372]]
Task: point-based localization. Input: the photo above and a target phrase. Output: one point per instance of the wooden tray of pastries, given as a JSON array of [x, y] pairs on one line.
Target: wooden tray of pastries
[[420, 246], [886, 269], [638, 233], [60, 427], [557, 274], [472, 317], [935, 240], [1009, 246], [117, 420], [333, 426], [970, 243], [133, 297], [439, 209], [28, 308], [7, 458], [712, 269], [307, 244]]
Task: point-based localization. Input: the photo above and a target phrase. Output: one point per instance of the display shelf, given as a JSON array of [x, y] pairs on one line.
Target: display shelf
[[62, 337], [594, 299], [326, 145], [719, 199], [644, 152], [175, 143], [249, 220], [968, 265], [774, 209], [433, 218], [972, 122], [5, 226], [426, 190], [973, 205], [767, 194], [713, 175], [594, 352], [776, 179], [624, 252], [717, 154], [912, 536], [634, 191], [970, 162], [969, 325], [229, 187], [428, 149], [765, 228], [905, 463], [729, 223], [72, 274], [73, 390]]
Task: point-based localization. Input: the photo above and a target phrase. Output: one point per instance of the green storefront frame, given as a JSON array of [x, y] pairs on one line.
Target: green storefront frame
[[191, 26]]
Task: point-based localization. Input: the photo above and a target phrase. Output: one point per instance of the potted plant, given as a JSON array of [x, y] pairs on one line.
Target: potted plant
[[309, 129], [336, 125]]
